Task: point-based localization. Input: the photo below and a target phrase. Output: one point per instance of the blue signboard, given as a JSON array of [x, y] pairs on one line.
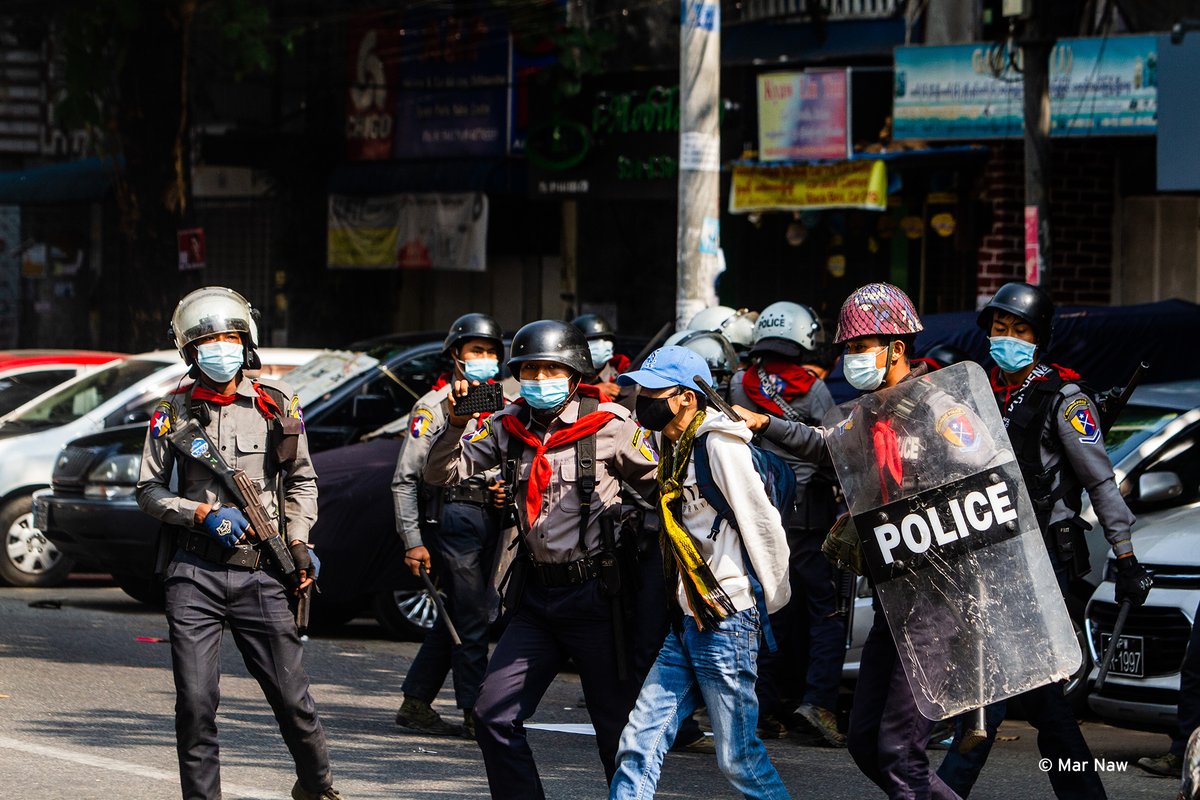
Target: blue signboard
[[1098, 87], [453, 88]]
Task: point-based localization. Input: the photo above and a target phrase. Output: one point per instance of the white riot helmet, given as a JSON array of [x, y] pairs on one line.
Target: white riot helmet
[[214, 309], [714, 348], [788, 329], [736, 325]]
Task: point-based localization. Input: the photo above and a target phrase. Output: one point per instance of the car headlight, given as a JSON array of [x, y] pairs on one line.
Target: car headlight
[[114, 477]]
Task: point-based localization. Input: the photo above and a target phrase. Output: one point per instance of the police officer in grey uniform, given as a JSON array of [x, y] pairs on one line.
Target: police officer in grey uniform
[[1055, 432], [559, 609], [214, 578], [460, 526], [787, 337]]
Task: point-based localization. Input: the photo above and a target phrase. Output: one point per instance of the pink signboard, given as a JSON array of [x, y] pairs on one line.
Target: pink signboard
[[802, 116]]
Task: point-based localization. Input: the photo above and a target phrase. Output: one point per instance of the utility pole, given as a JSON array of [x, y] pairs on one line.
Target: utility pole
[[1036, 46], [698, 230]]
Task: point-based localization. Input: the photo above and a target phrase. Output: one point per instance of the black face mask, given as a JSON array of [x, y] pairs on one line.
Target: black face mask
[[654, 413]]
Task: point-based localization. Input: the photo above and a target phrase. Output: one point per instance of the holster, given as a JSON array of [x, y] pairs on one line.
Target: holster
[[430, 501], [512, 585], [1069, 543]]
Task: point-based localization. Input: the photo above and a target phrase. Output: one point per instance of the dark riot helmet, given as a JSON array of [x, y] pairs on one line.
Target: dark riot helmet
[[551, 340], [946, 354], [593, 326], [474, 326], [1025, 301]]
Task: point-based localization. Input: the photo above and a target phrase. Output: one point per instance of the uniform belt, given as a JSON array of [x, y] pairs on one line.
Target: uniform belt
[[571, 573], [468, 493], [205, 547]]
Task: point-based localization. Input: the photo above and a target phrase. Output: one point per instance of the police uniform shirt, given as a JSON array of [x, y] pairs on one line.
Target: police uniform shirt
[[1072, 431], [239, 432], [811, 408], [624, 452], [428, 419]]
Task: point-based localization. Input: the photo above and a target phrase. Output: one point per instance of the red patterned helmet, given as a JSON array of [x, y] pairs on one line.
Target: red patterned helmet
[[877, 309]]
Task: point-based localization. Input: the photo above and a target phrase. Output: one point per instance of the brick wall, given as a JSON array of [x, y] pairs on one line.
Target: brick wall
[[1081, 213]]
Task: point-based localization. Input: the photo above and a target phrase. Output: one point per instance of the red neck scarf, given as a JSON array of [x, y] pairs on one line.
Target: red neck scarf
[[796, 382], [539, 473], [265, 404]]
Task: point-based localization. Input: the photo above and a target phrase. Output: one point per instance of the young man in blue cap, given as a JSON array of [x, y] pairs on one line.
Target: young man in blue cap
[[712, 656]]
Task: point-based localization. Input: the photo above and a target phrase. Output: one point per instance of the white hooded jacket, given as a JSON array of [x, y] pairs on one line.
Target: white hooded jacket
[[759, 522]]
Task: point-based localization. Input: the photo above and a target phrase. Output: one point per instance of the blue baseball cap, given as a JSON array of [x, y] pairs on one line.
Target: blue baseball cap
[[669, 366]]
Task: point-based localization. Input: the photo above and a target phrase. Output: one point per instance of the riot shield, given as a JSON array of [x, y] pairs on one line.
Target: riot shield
[[951, 541]]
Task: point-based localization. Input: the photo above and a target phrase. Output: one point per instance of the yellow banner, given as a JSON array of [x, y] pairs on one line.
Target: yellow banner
[[851, 184]]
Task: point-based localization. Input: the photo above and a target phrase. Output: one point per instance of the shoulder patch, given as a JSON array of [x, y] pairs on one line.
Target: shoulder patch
[[480, 433], [422, 420], [1079, 413], [643, 443], [295, 412], [162, 420], [956, 428]]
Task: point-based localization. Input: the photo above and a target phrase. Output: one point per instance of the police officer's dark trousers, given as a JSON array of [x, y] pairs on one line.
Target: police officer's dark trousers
[[202, 597], [463, 547], [1059, 739], [1189, 691], [811, 611], [550, 626], [888, 734]]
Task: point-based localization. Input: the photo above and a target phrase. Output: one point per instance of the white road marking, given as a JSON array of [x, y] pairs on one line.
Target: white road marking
[[582, 729], [102, 762]]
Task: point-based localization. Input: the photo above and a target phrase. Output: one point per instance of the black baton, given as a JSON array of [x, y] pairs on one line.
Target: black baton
[[1111, 651], [716, 399], [441, 607]]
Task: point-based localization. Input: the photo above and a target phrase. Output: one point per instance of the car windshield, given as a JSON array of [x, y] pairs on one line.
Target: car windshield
[[314, 378], [74, 400], [1135, 425]]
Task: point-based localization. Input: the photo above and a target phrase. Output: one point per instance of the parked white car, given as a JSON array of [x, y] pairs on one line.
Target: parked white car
[[32, 435]]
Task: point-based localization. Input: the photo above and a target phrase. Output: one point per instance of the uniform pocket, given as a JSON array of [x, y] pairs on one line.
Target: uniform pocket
[[252, 455]]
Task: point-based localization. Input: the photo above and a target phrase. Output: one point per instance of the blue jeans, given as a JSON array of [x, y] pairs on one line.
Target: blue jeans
[[721, 666]]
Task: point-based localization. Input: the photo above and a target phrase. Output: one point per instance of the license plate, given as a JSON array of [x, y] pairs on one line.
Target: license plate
[[1129, 658], [41, 514]]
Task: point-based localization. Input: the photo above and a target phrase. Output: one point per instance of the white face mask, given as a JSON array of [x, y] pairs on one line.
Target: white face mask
[[861, 372], [602, 352]]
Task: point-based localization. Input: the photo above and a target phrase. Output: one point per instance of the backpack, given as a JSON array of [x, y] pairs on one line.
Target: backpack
[[779, 481]]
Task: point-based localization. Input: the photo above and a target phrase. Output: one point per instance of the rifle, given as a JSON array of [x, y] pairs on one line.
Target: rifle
[[1118, 627], [610, 574], [192, 442], [441, 607], [513, 582], [716, 399], [1110, 404]]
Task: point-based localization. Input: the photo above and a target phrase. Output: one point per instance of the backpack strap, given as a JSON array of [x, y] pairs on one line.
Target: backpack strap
[[716, 498], [585, 469]]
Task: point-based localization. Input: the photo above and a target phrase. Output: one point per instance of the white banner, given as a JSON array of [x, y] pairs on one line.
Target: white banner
[[408, 231]]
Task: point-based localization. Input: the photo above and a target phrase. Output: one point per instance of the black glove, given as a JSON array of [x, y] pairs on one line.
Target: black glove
[[301, 557], [1133, 582]]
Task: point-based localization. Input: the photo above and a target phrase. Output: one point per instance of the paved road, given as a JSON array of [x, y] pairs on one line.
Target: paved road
[[86, 712]]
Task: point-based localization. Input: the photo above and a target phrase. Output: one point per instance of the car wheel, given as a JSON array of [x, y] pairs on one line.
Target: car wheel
[[148, 590], [29, 558], [406, 614]]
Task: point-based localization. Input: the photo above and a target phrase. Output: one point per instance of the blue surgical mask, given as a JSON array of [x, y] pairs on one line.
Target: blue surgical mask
[[602, 352], [480, 369], [1011, 354], [861, 372], [220, 361], [547, 394]]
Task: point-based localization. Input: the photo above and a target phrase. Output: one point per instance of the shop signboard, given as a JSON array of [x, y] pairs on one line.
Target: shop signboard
[[849, 184], [1098, 87], [803, 116]]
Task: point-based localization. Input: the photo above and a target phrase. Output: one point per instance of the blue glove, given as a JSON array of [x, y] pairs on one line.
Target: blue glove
[[226, 524]]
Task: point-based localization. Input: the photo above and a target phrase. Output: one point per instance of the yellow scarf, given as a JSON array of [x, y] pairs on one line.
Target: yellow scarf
[[708, 601]]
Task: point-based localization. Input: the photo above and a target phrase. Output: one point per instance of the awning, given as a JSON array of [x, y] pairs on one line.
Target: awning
[[81, 181]]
